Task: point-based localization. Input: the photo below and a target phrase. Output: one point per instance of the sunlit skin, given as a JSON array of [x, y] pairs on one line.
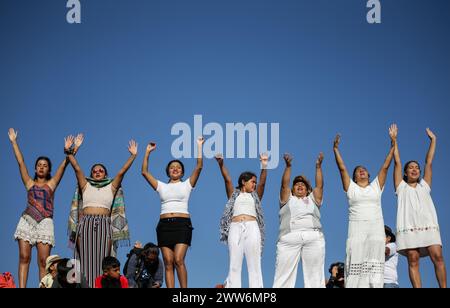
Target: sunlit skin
[[42, 170], [98, 173], [362, 176], [413, 173], [175, 172], [300, 190]]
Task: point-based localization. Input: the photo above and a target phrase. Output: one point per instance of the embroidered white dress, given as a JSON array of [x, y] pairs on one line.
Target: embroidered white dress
[[417, 222], [364, 267]]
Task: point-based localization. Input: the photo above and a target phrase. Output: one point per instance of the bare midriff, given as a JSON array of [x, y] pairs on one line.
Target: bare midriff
[[242, 218], [96, 211], [174, 215]]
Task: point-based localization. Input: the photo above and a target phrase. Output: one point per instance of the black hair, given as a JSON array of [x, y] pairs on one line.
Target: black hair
[[110, 263], [100, 165], [49, 163], [354, 172], [148, 249], [245, 176], [405, 178], [174, 161], [304, 180]]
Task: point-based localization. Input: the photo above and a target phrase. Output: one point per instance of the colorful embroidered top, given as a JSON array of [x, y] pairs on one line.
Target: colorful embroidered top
[[40, 203]]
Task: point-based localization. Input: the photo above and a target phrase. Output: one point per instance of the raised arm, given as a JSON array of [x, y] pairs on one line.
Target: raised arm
[[398, 174], [285, 191], [145, 173], [198, 168], [340, 163], [81, 178], [428, 176], [68, 143], [26, 179], [264, 158], [133, 149], [226, 176], [387, 162], [318, 191]]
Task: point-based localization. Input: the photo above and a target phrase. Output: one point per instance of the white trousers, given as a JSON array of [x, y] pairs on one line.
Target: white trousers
[[309, 246], [244, 239]]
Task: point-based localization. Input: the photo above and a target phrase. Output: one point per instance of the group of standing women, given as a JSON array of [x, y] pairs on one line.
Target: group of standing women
[[98, 224]]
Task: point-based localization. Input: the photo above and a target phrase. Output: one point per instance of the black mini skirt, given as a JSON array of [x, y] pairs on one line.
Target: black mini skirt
[[173, 231]]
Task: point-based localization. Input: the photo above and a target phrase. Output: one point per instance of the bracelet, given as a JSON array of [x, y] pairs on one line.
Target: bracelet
[[69, 151]]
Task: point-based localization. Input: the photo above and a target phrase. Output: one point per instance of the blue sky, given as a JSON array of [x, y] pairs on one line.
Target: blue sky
[[133, 69]]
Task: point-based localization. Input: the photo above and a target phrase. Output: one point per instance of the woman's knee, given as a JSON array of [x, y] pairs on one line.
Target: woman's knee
[[24, 257], [179, 262]]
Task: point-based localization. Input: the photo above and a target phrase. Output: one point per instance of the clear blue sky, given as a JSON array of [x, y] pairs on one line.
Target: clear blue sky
[[134, 68]]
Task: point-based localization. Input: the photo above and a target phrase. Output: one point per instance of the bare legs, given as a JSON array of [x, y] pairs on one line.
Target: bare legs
[[174, 259]]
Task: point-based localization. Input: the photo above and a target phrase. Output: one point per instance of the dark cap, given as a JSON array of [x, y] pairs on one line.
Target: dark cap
[[388, 232]]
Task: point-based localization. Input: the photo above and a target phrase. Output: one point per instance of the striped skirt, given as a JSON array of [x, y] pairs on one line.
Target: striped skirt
[[94, 236]]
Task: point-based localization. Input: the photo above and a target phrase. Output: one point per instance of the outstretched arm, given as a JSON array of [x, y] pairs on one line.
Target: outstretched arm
[[198, 168], [340, 163], [428, 176], [285, 191], [226, 176], [387, 162], [133, 149], [26, 179], [145, 173], [398, 174], [68, 143], [264, 158], [318, 191]]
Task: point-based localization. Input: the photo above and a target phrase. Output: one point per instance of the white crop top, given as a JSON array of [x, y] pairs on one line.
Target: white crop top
[[174, 197], [98, 197], [244, 205]]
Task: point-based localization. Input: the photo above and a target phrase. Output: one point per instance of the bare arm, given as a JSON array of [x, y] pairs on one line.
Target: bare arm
[[387, 162], [285, 192], [145, 173], [428, 176], [82, 182], [262, 178], [318, 191], [226, 176], [133, 149], [398, 174], [340, 163], [26, 179], [68, 142], [198, 168]]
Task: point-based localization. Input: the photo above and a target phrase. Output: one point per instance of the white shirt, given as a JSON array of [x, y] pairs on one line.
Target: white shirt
[[365, 203], [300, 214], [244, 205], [174, 197], [98, 197], [390, 265]]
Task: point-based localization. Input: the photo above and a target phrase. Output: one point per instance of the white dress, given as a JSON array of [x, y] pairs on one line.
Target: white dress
[[364, 266], [417, 223]]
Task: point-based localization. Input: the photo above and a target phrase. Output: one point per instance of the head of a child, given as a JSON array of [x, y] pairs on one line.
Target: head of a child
[[111, 267]]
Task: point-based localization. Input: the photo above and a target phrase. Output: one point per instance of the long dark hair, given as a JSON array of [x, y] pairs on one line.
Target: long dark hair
[[405, 178], [245, 176], [151, 248], [49, 163]]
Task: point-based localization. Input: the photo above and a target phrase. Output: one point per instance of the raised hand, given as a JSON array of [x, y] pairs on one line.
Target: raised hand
[[337, 140], [200, 141], [430, 134], [219, 158], [79, 141], [288, 159], [264, 159], [151, 147], [68, 142], [319, 159], [133, 147], [12, 135], [393, 132]]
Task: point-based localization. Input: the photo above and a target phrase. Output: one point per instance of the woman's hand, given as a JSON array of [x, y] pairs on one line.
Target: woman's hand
[[219, 159], [431, 135], [337, 140], [319, 160], [12, 135], [393, 133], [288, 160], [264, 159], [68, 142], [133, 147], [151, 147]]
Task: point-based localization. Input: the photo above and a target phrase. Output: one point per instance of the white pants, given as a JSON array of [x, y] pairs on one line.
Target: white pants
[[309, 246], [244, 239]]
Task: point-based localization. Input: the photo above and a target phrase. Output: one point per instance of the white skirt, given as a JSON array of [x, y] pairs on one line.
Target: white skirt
[[364, 266], [33, 232]]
